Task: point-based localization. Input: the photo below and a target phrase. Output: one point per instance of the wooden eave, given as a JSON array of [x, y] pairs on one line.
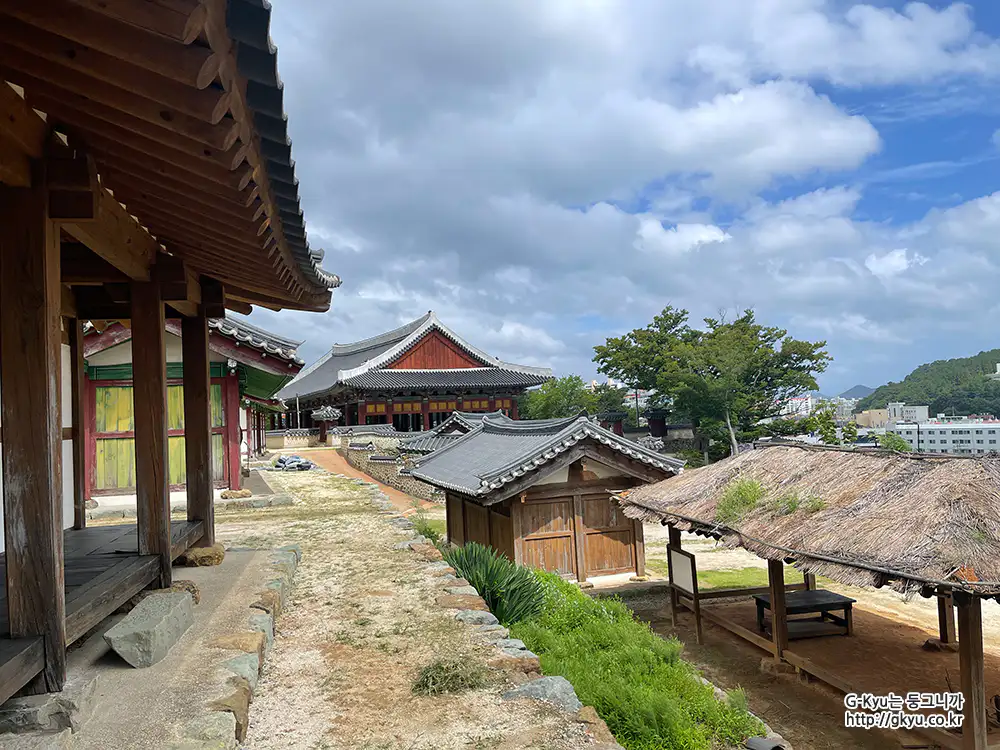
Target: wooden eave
[[156, 95]]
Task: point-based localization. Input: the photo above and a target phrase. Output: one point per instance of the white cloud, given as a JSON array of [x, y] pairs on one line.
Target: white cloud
[[654, 238], [852, 325], [893, 263]]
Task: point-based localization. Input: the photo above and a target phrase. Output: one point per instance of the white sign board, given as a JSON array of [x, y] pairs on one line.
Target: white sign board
[[682, 568]]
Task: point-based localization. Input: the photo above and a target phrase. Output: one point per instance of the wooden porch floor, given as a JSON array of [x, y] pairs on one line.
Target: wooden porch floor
[[103, 569]]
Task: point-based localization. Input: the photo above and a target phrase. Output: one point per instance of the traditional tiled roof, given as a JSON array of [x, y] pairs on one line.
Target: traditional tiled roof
[[497, 452], [384, 430], [359, 365], [326, 414], [258, 338], [425, 442]]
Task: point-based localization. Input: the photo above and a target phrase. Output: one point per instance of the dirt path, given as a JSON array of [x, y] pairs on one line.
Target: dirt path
[[334, 463], [360, 625]]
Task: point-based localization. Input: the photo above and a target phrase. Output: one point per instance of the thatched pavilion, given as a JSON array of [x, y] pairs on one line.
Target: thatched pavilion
[[912, 522]]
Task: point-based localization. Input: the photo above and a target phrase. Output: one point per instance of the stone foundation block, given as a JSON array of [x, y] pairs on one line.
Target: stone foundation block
[[149, 631], [458, 601], [555, 690], [50, 712], [202, 556]]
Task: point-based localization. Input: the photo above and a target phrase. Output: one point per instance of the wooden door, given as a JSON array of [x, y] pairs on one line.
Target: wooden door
[[609, 537], [548, 539]]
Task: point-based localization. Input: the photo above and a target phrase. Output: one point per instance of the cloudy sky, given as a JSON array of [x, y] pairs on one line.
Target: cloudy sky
[[547, 173]]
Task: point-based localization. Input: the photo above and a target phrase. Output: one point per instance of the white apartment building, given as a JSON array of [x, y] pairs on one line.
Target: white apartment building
[[971, 437], [901, 412], [799, 406]]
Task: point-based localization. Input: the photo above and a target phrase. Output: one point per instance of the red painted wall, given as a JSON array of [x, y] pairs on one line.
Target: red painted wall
[[435, 352]]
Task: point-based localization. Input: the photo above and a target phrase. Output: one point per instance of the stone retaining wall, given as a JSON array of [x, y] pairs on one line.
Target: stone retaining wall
[[388, 473]]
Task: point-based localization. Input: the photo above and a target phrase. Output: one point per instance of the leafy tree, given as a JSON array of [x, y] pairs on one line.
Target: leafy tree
[[737, 372], [784, 428], [826, 425], [893, 442], [606, 398], [563, 397], [850, 433]]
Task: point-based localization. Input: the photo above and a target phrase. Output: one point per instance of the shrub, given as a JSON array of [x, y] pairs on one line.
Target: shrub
[[512, 592], [449, 676], [425, 527], [793, 501], [637, 682], [739, 498]]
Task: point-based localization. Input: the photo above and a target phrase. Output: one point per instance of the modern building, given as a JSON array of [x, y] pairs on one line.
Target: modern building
[[799, 406], [872, 418], [969, 437], [902, 412], [413, 377]]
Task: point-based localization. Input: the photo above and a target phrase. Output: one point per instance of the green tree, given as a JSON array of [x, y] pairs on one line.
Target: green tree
[[783, 428], [850, 433], [890, 441], [562, 397], [606, 398], [737, 372], [825, 424]]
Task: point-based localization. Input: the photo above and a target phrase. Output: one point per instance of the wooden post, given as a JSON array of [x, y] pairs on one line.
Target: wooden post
[[971, 668], [581, 536], [516, 508], [231, 408], [198, 424], [31, 371], [946, 616], [810, 581], [779, 617], [425, 412], [640, 549], [149, 394], [673, 542], [77, 391]]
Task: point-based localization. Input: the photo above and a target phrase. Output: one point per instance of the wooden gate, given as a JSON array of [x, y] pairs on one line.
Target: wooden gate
[[548, 536], [609, 537]]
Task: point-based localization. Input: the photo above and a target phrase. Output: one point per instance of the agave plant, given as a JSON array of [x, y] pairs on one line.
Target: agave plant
[[512, 592]]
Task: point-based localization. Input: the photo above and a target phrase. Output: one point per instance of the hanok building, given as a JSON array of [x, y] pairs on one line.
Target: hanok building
[[413, 377], [247, 367], [538, 491], [146, 175]]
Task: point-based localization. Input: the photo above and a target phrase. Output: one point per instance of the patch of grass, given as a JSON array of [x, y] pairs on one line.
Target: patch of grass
[[747, 578], [512, 592], [793, 501], [449, 676], [433, 529], [739, 498], [637, 682]]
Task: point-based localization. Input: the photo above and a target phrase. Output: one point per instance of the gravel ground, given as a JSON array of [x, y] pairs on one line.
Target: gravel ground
[[359, 626]]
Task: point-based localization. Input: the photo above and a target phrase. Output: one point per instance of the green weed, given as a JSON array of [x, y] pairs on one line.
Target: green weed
[[739, 498], [512, 592]]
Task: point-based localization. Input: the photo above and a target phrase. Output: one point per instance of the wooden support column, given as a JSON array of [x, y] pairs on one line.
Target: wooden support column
[[673, 542], [425, 411], [231, 408], [971, 668], [149, 394], [640, 548], [779, 617], [810, 581], [77, 374], [198, 424], [513, 408], [946, 616], [30, 414], [580, 533]]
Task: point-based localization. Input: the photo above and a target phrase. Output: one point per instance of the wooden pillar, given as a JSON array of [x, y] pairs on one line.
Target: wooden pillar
[[779, 617], [30, 414], [231, 407], [425, 412], [198, 425], [513, 409], [640, 548], [581, 537], [673, 542], [809, 579], [149, 394], [78, 394], [970, 660], [248, 432], [946, 616], [362, 417]]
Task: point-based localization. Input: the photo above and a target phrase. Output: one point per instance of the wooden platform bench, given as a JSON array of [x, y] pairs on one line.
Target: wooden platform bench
[[819, 602]]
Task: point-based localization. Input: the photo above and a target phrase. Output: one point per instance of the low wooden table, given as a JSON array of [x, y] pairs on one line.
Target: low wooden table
[[817, 601]]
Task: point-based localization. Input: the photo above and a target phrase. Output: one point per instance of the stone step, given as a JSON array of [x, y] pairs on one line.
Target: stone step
[[147, 633]]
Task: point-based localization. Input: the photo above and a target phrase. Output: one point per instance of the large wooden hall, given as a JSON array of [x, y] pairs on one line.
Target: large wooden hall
[[145, 176], [413, 377]]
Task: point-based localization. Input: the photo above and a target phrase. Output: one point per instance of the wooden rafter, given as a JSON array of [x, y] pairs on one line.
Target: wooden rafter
[[20, 124]]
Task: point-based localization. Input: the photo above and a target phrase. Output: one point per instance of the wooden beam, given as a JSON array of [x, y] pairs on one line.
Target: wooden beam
[[77, 374], [31, 425], [213, 298], [946, 616], [67, 302], [149, 394], [209, 104], [74, 190], [15, 167], [237, 306], [178, 19], [779, 614], [20, 124], [117, 237], [82, 267], [971, 667], [198, 424], [191, 65]]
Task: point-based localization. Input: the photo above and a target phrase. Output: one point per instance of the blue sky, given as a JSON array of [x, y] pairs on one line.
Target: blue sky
[[547, 174]]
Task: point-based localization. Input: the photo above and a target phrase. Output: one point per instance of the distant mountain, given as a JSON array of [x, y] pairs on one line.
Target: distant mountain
[[948, 386], [858, 391]]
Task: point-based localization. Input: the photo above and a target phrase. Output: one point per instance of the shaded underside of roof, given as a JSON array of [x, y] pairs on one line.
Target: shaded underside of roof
[[181, 108], [860, 517], [498, 452], [467, 378]]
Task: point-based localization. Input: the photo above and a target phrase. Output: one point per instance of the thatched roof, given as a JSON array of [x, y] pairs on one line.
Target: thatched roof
[[870, 518]]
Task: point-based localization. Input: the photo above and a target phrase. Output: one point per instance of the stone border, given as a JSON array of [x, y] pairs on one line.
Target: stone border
[[225, 723], [244, 503]]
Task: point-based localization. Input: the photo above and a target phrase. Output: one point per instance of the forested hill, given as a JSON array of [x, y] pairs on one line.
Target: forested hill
[[958, 386]]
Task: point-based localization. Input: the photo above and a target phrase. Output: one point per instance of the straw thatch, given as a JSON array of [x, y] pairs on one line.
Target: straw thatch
[[863, 518]]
